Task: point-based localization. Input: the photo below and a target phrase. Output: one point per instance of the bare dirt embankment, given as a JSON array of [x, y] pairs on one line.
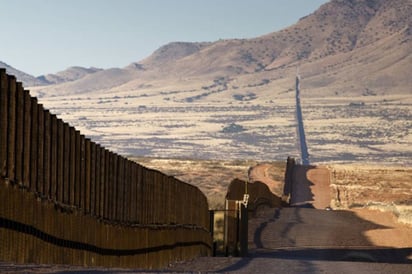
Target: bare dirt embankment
[[352, 186], [379, 194], [375, 194], [386, 189]]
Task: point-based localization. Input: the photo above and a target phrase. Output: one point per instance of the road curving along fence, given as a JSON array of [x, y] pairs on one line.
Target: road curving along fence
[[67, 200]]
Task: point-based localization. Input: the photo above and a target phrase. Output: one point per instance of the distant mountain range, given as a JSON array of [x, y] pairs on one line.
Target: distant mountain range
[[68, 75], [345, 47], [27, 79]]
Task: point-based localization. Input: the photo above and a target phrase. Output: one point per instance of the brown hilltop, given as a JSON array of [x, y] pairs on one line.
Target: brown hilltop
[[356, 47], [339, 40]]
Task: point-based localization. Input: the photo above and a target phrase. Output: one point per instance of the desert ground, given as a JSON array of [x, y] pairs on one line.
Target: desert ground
[[372, 129]]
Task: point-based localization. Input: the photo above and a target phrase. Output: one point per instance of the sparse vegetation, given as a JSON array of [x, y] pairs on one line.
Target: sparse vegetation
[[374, 187], [233, 128]]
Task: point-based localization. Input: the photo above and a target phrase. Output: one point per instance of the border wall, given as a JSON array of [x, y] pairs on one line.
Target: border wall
[[68, 200]]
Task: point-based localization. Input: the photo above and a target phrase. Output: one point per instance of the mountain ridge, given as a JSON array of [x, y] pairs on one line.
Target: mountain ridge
[[329, 45]]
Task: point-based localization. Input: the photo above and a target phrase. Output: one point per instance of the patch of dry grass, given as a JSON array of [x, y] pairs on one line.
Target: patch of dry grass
[[373, 187]]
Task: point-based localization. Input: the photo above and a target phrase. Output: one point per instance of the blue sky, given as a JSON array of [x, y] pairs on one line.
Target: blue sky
[[47, 36]]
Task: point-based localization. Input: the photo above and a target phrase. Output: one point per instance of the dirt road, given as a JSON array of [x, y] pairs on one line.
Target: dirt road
[[307, 240], [294, 240]]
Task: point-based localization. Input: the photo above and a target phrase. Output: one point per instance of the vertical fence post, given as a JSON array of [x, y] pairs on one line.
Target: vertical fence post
[[3, 122], [54, 156], [34, 144], [66, 162], [72, 164], [118, 185], [143, 195], [243, 230], [92, 177], [133, 186], [97, 181], [60, 161], [47, 153], [79, 167], [19, 132], [139, 194], [11, 137], [120, 189], [102, 181], [113, 186], [27, 139], [107, 175], [109, 183], [127, 200], [87, 171], [40, 149], [83, 173]]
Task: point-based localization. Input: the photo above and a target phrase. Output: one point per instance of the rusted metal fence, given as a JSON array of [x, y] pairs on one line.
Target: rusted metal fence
[[66, 199]]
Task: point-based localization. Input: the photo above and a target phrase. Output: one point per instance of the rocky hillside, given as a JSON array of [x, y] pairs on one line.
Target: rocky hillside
[[345, 48], [27, 79], [68, 75]]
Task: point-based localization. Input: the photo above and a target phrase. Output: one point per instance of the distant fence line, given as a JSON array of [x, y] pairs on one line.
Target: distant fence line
[[48, 165]]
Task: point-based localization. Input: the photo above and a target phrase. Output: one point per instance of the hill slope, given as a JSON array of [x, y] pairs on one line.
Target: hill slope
[[27, 79], [346, 46], [68, 75]]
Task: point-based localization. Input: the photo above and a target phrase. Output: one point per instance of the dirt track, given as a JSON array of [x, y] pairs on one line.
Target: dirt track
[[296, 240], [315, 182]]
